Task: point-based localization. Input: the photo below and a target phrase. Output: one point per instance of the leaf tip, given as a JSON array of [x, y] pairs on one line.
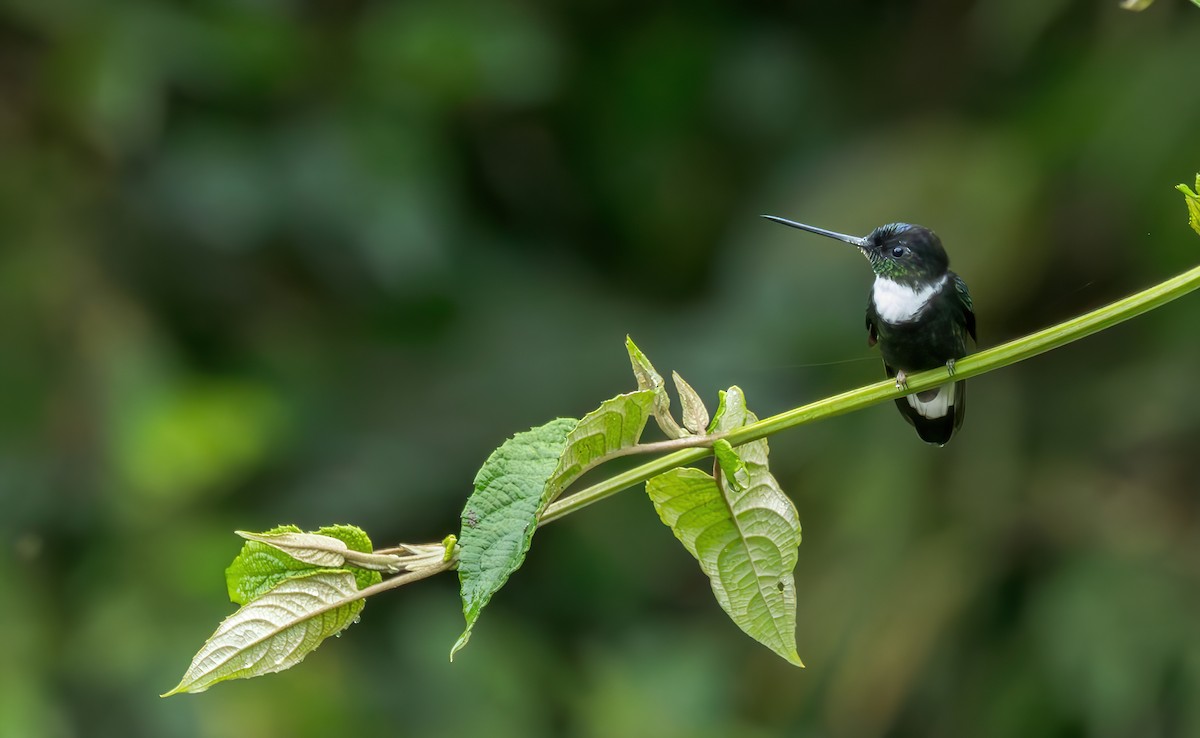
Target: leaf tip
[[635, 353], [177, 689], [462, 641]]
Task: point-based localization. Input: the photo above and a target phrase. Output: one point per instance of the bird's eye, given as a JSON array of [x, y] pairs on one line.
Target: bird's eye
[[898, 251]]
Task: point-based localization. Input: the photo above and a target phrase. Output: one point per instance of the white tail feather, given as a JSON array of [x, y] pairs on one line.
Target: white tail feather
[[936, 406]]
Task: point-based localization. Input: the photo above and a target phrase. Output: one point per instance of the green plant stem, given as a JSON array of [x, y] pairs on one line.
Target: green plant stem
[[673, 444], [423, 572], [970, 366]]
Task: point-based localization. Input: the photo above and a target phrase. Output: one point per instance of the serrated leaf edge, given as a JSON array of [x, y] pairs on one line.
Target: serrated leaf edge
[[465, 539]]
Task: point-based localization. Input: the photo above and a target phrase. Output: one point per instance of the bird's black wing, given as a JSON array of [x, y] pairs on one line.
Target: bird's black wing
[[966, 305], [872, 331]]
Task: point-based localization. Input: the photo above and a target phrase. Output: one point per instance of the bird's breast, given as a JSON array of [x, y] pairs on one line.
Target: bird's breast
[[898, 303]]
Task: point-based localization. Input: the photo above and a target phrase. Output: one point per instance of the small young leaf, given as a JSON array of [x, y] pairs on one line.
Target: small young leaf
[[308, 548], [649, 379], [719, 416], [501, 515], [695, 415], [260, 567], [275, 631], [617, 424], [731, 465], [1192, 198], [644, 372], [745, 534], [732, 414], [1136, 5]]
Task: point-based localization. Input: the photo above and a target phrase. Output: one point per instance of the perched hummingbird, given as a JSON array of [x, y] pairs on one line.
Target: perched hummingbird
[[920, 314]]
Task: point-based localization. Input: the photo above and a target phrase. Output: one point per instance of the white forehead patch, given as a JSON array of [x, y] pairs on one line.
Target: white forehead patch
[[899, 303]]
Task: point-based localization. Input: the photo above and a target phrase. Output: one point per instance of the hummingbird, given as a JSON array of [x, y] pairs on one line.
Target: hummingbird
[[920, 313]]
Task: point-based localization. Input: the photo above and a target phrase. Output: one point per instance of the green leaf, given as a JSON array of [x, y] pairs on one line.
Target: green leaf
[[731, 465], [276, 630], [307, 548], [517, 482], [719, 416], [732, 414], [695, 415], [615, 425], [649, 379], [501, 515], [742, 529], [1137, 5], [1192, 198], [261, 566], [325, 551]]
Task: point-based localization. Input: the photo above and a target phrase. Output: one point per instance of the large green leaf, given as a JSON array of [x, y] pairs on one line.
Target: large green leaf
[[742, 529], [276, 630], [501, 515], [524, 475], [260, 566]]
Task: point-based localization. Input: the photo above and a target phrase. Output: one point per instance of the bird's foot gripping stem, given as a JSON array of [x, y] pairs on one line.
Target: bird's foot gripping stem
[[901, 380], [950, 366]]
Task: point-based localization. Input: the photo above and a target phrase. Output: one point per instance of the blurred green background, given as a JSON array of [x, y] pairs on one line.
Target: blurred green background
[[278, 261]]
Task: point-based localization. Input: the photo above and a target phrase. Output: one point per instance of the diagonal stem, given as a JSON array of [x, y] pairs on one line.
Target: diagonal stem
[[982, 362]]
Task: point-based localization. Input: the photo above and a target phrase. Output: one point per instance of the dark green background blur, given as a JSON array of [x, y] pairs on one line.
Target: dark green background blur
[[279, 261]]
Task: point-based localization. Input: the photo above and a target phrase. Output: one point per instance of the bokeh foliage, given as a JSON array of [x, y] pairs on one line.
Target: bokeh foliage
[[309, 262]]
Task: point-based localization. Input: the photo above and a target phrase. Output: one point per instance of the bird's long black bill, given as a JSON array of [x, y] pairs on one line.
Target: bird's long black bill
[[857, 241]]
